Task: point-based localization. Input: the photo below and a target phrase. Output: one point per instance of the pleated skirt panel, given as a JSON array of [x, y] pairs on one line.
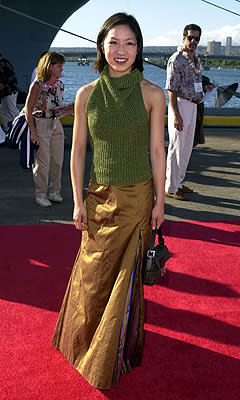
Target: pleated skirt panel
[[100, 325]]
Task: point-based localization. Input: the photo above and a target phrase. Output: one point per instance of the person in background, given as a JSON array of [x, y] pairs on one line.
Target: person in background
[[8, 92], [100, 325], [46, 94], [33, 76], [184, 85]]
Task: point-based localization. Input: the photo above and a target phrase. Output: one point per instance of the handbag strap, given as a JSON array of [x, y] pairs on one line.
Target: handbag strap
[[160, 238]]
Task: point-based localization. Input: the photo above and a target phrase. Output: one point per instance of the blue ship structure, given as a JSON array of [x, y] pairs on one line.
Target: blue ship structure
[[24, 38]]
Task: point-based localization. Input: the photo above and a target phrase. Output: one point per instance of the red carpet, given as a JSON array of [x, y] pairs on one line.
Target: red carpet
[[192, 330]]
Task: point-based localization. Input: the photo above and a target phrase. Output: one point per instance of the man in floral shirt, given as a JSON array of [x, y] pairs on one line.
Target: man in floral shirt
[[184, 85], [8, 92]]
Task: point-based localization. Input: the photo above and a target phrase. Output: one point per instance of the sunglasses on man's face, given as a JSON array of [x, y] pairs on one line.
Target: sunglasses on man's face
[[191, 37]]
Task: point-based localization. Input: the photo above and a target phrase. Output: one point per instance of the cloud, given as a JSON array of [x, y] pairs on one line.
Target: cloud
[[171, 38], [219, 35], [174, 37]]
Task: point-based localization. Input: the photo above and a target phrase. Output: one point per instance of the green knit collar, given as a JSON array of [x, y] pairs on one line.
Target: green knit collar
[[124, 81], [119, 88]]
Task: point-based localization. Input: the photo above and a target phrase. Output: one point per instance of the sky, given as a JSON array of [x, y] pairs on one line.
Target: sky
[[161, 21]]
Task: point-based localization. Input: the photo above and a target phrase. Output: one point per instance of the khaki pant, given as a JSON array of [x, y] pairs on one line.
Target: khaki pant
[[48, 159]]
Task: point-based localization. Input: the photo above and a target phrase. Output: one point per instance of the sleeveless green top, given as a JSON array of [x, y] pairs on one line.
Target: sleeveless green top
[[119, 130]]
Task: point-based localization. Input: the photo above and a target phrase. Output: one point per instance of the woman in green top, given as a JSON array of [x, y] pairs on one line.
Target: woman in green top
[[100, 326]]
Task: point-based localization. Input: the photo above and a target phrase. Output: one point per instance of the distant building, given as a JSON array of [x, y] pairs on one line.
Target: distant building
[[235, 51], [228, 46], [214, 48], [159, 49]]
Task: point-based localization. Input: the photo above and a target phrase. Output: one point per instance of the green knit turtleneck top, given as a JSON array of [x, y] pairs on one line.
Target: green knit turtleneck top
[[119, 130]]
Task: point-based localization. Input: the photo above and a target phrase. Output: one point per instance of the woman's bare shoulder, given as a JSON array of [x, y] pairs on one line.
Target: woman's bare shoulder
[[151, 87], [85, 91], [152, 93]]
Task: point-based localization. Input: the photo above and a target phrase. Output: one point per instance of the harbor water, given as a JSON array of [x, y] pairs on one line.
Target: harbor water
[[76, 76]]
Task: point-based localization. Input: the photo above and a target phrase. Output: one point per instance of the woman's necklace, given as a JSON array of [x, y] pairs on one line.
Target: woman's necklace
[[190, 61], [47, 86]]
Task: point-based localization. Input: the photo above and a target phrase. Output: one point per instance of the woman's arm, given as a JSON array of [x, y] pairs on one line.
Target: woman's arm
[[78, 153], [32, 98], [157, 152]]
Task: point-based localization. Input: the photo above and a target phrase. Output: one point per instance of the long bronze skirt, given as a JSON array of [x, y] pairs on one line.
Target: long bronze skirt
[[100, 325]]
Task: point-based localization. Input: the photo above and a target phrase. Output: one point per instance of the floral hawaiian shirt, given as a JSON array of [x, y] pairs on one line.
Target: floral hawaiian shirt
[[51, 96], [182, 76]]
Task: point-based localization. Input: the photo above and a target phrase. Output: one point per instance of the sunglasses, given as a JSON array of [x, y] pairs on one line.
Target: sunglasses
[[191, 37]]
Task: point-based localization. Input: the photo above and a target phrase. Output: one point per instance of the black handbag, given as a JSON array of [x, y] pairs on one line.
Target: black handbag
[[155, 259]]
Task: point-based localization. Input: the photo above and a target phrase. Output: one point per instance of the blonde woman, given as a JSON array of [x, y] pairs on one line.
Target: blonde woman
[[45, 94]]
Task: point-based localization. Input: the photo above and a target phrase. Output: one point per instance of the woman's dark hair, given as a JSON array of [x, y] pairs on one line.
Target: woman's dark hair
[[119, 19], [192, 27]]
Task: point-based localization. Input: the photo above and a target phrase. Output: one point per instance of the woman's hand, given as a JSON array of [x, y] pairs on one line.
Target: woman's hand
[[71, 110], [80, 217], [67, 109], [34, 137], [157, 216]]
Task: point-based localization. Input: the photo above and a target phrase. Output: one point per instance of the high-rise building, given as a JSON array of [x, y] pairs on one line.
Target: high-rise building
[[228, 46], [214, 48]]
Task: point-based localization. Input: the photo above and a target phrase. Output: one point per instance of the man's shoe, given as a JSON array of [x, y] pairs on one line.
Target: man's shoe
[[178, 196], [43, 202], [56, 197], [186, 189]]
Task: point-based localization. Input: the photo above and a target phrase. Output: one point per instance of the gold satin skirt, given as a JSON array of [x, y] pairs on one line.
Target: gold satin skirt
[[100, 325]]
